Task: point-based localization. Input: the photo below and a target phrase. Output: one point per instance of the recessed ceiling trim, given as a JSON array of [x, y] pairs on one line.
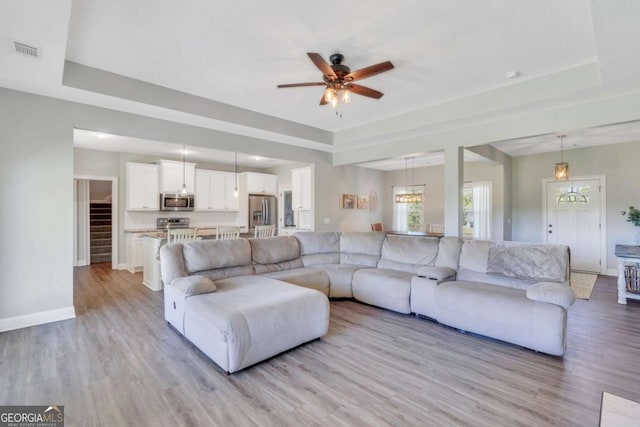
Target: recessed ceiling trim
[[91, 79]]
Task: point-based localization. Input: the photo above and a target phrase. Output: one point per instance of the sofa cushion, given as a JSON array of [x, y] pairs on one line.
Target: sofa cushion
[[251, 318], [474, 255], [436, 273], [172, 262], [274, 249], [194, 285], [227, 272], [384, 288], [204, 255], [340, 278], [541, 262], [281, 266], [503, 313], [361, 247], [319, 247], [407, 253], [552, 293], [449, 252], [306, 277]]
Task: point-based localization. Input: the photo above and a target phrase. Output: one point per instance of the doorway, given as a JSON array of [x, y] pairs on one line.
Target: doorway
[[574, 216], [95, 220]]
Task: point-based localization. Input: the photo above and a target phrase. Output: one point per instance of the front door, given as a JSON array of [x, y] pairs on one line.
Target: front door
[[573, 219]]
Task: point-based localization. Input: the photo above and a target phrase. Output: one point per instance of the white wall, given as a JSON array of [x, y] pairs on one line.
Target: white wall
[[36, 174], [620, 163]]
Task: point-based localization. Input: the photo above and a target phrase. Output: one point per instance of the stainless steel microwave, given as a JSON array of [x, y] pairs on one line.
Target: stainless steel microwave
[[176, 202]]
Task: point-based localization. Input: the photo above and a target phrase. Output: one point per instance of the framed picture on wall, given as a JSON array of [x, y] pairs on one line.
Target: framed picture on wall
[[348, 201], [363, 202]]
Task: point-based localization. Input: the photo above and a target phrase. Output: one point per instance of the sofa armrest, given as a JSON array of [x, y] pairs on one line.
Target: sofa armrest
[[436, 273], [552, 293]]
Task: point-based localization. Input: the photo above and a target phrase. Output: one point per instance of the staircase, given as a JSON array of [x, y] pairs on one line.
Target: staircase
[[100, 231]]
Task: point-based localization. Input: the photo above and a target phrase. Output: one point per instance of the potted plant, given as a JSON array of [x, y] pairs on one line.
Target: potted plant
[[633, 216]]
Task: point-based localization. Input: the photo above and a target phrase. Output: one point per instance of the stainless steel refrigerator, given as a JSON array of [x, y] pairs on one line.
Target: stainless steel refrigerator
[[263, 210]]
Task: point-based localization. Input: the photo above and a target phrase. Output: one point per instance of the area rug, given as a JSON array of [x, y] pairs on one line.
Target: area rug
[[617, 411], [583, 284]]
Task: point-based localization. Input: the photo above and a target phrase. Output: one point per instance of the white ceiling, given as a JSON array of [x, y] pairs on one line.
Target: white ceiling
[[237, 52], [167, 150], [577, 58]]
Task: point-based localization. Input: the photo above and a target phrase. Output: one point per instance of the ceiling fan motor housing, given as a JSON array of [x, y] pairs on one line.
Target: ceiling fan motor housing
[[337, 67]]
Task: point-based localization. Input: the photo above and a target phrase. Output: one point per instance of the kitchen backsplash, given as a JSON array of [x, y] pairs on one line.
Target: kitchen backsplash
[[134, 220]]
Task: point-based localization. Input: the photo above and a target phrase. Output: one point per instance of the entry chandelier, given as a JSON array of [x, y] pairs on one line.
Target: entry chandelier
[[407, 197], [562, 168]]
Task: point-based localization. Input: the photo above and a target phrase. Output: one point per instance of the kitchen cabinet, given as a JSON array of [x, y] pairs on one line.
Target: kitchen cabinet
[[214, 191], [135, 251], [172, 175], [301, 200], [301, 188], [142, 187], [261, 183]]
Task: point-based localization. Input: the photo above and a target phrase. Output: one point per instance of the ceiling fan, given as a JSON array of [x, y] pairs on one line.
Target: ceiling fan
[[338, 79]]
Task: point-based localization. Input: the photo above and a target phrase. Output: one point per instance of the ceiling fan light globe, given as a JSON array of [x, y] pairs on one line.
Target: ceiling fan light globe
[[334, 102], [346, 96], [329, 94]]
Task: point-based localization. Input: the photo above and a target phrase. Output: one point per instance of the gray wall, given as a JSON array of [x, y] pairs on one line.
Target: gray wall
[[618, 162], [36, 170], [36, 173], [433, 178]]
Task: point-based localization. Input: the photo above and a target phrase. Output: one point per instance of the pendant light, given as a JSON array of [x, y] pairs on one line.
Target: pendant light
[[183, 191], [235, 190], [409, 197], [562, 168]]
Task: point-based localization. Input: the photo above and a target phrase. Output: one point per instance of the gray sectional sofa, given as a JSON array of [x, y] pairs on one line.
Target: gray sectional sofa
[[234, 299]]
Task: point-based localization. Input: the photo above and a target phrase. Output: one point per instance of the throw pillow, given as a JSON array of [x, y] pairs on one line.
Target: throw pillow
[[194, 285]]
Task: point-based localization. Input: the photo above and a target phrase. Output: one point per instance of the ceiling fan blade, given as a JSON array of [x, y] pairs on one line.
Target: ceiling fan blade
[[364, 91], [372, 70], [302, 84], [323, 100], [322, 65]]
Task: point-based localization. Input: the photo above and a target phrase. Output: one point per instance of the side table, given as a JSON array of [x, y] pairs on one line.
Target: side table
[[626, 254]]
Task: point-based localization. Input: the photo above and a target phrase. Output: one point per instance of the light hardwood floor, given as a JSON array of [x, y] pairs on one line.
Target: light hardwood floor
[[119, 363]]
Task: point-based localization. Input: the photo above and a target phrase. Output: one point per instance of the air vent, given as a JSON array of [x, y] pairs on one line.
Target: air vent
[[26, 49]]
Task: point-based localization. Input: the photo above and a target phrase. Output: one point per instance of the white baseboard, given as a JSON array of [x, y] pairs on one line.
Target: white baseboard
[[81, 263], [122, 266], [33, 319]]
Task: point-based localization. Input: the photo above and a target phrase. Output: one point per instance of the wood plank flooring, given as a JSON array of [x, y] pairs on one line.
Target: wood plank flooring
[[119, 363]]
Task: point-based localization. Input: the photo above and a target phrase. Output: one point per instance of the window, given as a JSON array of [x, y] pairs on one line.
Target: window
[[408, 215], [477, 210]]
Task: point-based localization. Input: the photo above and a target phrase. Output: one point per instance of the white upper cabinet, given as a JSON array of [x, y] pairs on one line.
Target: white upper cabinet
[[261, 183], [142, 184], [214, 191], [171, 176], [301, 189]]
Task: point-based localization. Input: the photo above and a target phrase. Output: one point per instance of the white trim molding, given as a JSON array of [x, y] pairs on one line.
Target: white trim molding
[[33, 319], [115, 230]]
